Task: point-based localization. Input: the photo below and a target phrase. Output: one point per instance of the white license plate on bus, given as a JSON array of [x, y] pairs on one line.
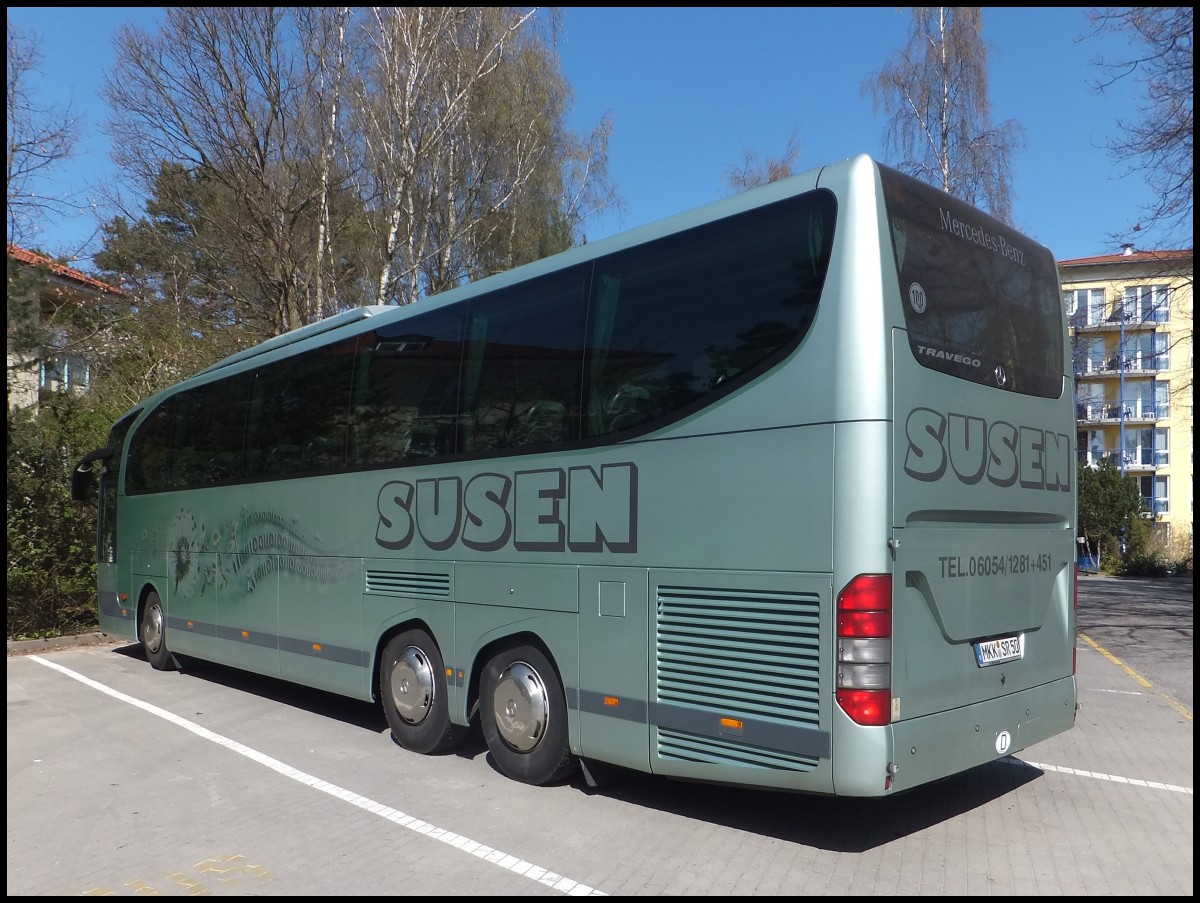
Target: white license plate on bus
[[1003, 649]]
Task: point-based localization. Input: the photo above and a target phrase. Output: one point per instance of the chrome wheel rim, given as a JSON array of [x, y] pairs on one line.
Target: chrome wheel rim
[[412, 685], [521, 706], [152, 628]]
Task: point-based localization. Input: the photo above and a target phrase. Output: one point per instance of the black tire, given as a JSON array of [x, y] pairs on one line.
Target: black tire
[[523, 713], [152, 630], [412, 688]]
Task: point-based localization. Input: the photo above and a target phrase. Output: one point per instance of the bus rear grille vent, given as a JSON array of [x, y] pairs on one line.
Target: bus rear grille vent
[[754, 653], [408, 583], [681, 746]]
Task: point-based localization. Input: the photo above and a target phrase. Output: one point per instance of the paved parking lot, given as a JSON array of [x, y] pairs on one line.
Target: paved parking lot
[[126, 781]]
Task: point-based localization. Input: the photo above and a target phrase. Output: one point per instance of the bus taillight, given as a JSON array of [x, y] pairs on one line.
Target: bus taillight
[[864, 662]]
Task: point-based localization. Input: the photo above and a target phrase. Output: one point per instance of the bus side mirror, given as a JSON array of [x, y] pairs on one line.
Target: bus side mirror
[[81, 476]]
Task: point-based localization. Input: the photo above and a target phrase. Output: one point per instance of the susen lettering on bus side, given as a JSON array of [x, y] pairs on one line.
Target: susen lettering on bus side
[[1006, 454], [548, 510]]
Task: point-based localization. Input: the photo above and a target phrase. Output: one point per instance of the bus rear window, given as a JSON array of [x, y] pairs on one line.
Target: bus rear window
[[981, 302]]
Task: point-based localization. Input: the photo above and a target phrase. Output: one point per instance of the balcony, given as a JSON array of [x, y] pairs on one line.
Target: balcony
[[1135, 365], [1118, 322], [1154, 507], [1131, 460], [1134, 411]]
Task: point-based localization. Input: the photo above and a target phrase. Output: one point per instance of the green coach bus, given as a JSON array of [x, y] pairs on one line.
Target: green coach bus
[[777, 493]]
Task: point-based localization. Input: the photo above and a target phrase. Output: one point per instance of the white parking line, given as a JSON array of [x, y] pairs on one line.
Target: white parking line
[[1101, 776], [480, 851]]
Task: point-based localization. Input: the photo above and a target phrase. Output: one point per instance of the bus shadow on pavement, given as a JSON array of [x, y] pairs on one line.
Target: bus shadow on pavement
[[355, 712], [843, 825]]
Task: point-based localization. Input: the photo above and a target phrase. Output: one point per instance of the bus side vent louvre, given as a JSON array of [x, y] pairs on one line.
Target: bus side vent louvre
[[682, 746], [742, 652], [408, 583], [751, 652]]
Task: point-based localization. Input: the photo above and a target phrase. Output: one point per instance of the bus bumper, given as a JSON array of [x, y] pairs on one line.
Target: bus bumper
[[935, 746]]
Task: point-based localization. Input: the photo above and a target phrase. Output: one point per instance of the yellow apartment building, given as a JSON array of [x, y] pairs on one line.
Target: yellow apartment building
[[1131, 326]]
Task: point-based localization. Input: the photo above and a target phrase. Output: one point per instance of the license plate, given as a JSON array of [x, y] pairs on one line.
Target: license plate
[[1004, 649]]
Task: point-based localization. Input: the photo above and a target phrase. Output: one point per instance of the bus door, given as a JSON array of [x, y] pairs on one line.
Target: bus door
[[106, 544], [110, 606], [116, 616]]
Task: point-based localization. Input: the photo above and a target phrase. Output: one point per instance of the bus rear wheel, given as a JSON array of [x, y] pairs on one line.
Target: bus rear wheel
[[523, 714], [412, 686], [153, 631]]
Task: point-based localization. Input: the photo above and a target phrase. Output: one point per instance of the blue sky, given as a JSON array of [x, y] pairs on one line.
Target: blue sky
[[690, 90]]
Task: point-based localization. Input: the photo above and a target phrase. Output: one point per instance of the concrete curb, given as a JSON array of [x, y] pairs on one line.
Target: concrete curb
[[49, 644]]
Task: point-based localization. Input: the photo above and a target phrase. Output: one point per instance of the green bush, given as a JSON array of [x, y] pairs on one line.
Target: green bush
[[1144, 565], [1159, 557], [51, 539]]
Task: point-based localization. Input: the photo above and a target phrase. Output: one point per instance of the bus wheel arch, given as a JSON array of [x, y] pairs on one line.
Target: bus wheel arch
[[152, 630], [523, 713], [414, 693]]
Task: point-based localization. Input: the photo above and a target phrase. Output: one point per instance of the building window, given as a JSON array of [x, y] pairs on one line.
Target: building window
[[1144, 447], [1147, 304], [64, 373], [1091, 447], [1154, 494], [1089, 401], [1084, 306], [1148, 351], [1162, 455], [1089, 355]]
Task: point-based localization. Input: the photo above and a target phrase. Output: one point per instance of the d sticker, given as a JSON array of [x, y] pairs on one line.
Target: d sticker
[[1003, 742]]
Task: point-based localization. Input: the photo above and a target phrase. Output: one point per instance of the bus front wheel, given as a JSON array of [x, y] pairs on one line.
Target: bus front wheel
[[153, 630], [412, 686], [523, 713]]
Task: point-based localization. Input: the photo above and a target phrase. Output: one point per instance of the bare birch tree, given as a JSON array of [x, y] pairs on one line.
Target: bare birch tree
[[245, 94], [323, 32], [40, 137], [465, 155], [934, 92], [755, 169], [1158, 143], [355, 155]]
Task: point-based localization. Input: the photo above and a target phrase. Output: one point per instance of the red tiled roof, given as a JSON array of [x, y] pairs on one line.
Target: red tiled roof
[[1132, 257], [38, 260]]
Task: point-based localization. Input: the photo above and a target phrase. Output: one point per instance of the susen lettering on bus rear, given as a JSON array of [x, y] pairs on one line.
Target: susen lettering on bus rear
[[548, 510], [1006, 454]]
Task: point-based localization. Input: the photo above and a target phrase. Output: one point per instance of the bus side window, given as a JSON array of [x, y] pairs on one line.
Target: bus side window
[[681, 319], [627, 407], [149, 468], [405, 402], [300, 413], [209, 438], [521, 369]]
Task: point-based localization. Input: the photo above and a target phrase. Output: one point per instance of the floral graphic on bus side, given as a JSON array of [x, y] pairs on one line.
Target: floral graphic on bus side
[[257, 543], [187, 539]]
